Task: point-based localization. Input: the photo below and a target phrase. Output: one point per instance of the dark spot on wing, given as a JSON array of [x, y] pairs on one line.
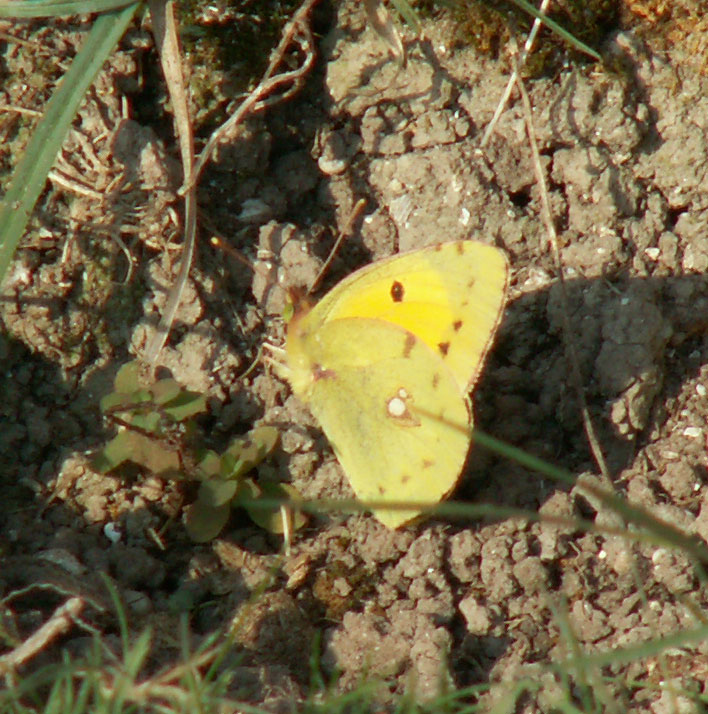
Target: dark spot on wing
[[436, 380], [470, 283], [405, 478], [457, 325], [382, 491], [397, 291], [319, 372], [409, 344], [461, 248], [427, 463], [444, 348]]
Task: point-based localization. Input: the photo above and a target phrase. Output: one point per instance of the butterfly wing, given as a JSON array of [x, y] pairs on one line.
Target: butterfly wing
[[391, 409], [450, 296]]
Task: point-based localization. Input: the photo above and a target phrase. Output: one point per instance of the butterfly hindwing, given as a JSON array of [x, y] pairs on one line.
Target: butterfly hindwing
[[392, 412]]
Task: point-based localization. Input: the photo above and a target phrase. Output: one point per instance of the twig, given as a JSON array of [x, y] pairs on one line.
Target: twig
[[60, 621], [382, 24], [346, 231], [528, 45], [297, 30], [165, 30], [553, 240]]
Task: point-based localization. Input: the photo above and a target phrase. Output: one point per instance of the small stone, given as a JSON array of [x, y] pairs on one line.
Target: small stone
[[673, 570], [113, 532], [476, 616], [678, 480], [138, 602], [672, 701], [298, 570], [495, 568], [531, 574], [64, 559], [619, 554], [255, 211], [589, 624]]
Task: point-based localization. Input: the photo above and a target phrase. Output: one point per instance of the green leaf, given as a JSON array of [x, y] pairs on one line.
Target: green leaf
[[133, 446], [186, 404], [150, 422], [205, 522], [231, 467], [208, 465], [128, 378], [271, 518], [165, 390], [216, 492], [557, 29], [254, 447], [408, 14], [116, 400]]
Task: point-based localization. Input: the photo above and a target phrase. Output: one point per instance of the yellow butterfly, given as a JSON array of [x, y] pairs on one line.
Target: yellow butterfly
[[385, 362]]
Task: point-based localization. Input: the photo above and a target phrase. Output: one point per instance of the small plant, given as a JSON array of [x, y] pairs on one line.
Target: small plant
[[157, 432]]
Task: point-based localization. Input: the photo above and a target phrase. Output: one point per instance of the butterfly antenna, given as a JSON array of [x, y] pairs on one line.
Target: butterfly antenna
[[223, 246], [346, 231]]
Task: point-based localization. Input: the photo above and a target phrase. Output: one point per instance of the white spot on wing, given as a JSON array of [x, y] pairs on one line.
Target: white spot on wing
[[396, 407]]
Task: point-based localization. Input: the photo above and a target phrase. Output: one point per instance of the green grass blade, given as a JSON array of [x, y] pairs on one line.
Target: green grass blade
[[31, 172], [555, 27], [53, 8], [618, 656], [408, 14]]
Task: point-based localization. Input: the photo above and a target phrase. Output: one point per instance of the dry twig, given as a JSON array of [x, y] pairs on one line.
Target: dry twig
[[59, 623], [547, 216], [165, 30], [296, 31], [528, 46]]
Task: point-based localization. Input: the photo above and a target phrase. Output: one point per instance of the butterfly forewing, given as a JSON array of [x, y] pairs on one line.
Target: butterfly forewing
[[449, 296]]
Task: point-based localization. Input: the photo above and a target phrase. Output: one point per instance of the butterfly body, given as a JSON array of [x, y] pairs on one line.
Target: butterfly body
[[385, 361]]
